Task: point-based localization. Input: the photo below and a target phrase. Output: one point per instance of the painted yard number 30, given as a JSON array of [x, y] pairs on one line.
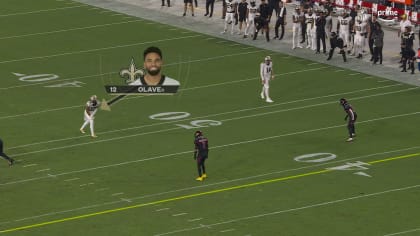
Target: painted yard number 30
[[167, 116]]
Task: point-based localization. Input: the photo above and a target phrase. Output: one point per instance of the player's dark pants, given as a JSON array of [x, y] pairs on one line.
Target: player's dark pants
[[350, 126], [408, 57], [209, 6], [200, 164], [167, 1], [303, 27], [370, 42], [279, 23], [342, 52], [2, 154], [320, 36], [377, 55], [272, 8], [264, 26]]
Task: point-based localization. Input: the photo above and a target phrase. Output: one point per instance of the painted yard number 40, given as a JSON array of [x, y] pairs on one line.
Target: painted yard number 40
[[167, 116], [357, 166]]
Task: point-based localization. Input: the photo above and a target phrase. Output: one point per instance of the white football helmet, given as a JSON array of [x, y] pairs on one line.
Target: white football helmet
[[267, 58]]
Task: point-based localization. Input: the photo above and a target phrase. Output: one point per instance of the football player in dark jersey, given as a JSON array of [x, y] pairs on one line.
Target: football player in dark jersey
[[408, 54], [201, 154], [261, 21], [351, 117], [335, 42], [6, 157]]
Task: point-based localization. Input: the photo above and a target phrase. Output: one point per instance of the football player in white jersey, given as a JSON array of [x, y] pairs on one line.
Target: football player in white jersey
[[89, 115], [266, 73], [231, 10], [310, 28], [360, 30], [297, 19], [343, 27], [250, 23]]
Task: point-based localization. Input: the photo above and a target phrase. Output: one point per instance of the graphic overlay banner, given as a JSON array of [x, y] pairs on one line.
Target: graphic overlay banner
[[135, 83], [141, 89]]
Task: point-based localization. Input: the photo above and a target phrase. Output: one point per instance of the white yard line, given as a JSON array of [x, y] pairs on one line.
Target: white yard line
[[40, 11], [97, 49], [163, 209], [72, 179], [101, 189], [321, 204], [403, 232], [29, 165], [68, 30], [116, 73], [211, 115], [180, 214], [219, 183], [189, 151], [169, 122]]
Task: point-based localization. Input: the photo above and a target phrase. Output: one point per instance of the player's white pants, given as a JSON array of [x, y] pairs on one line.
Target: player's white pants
[[89, 120], [358, 44], [230, 17], [296, 34], [345, 36], [265, 88], [309, 36], [250, 24], [314, 39]]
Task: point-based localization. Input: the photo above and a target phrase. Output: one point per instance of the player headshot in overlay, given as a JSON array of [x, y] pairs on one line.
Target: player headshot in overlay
[[153, 76]]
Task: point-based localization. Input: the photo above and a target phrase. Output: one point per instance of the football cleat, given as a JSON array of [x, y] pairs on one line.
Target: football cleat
[[11, 162], [82, 131], [94, 136], [349, 139], [199, 179], [262, 95], [204, 176], [269, 100]]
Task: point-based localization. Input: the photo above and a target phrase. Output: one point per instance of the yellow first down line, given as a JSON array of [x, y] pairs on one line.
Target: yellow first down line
[[194, 195]]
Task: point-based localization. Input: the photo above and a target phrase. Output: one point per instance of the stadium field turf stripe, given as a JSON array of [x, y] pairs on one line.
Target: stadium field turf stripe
[[189, 196]]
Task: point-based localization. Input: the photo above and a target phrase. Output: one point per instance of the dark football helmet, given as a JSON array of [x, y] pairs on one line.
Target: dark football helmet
[[198, 133]]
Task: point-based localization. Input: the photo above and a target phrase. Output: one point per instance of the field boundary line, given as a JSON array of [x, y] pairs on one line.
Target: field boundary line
[[189, 196]]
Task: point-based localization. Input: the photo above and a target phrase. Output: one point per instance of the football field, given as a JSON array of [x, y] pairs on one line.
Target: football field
[[281, 168]]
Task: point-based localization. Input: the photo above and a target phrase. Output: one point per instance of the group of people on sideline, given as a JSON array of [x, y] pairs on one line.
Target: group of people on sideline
[[354, 32]]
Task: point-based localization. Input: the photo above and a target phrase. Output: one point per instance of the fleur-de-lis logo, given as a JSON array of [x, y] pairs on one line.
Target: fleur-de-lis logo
[[132, 73]]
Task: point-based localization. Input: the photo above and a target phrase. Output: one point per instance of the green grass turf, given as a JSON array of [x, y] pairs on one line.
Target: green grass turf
[[136, 160]]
